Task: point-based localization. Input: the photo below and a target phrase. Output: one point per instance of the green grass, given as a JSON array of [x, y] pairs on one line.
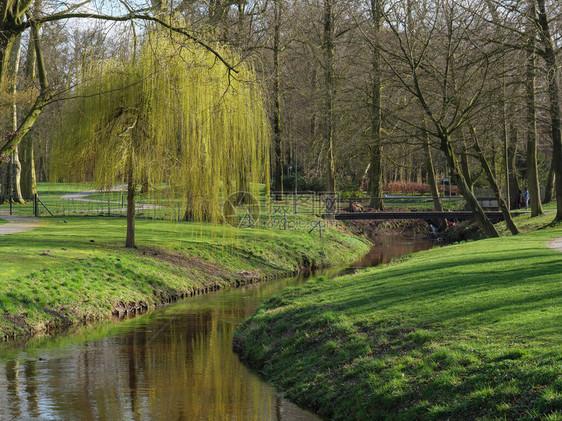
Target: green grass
[[469, 331], [77, 269], [50, 194], [3, 221], [526, 223]]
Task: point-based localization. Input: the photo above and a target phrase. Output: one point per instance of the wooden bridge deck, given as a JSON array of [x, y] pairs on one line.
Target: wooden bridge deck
[[428, 216]]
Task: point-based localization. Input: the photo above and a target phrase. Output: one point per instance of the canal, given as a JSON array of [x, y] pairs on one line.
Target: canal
[[173, 363]]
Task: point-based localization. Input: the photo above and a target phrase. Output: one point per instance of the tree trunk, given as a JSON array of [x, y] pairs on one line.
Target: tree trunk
[[16, 178], [532, 168], [512, 153], [550, 181], [328, 47], [430, 170], [4, 183], [278, 150], [554, 99], [497, 192], [7, 40], [375, 179], [481, 219], [15, 165], [465, 168], [505, 148], [131, 190], [28, 178]]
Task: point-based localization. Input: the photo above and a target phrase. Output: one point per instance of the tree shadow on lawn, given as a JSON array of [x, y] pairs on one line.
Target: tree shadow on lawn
[[466, 298]]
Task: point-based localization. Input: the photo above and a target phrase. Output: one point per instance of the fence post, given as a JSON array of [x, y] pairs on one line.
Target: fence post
[[35, 205], [10, 204], [108, 207], [285, 220]]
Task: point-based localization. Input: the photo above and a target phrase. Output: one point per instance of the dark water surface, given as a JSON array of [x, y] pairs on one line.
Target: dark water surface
[[174, 363]]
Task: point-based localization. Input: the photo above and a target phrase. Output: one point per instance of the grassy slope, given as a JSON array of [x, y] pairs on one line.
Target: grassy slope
[[57, 275], [468, 331]]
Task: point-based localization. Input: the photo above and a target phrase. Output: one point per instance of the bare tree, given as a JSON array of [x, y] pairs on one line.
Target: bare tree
[[428, 57], [549, 55], [532, 168], [329, 92]]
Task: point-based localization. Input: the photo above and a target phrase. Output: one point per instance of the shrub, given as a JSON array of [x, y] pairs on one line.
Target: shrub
[[407, 188]]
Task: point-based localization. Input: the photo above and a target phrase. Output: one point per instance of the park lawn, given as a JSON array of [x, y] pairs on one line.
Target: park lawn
[[526, 223], [3, 221], [50, 194], [469, 331], [76, 269]]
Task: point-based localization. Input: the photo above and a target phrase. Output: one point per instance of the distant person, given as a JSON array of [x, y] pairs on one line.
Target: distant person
[[519, 199], [526, 196], [432, 229]]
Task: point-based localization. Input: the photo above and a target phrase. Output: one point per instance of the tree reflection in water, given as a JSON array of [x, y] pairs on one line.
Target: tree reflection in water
[[175, 363]]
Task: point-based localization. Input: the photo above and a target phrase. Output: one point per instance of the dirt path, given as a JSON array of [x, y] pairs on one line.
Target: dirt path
[[17, 223], [555, 244]]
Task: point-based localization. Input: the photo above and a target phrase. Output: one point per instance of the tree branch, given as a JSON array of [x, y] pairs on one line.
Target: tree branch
[[133, 16]]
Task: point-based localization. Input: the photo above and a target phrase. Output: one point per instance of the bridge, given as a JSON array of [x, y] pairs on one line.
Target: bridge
[[425, 215]]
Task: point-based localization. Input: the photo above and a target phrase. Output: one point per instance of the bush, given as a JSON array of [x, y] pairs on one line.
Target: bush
[[406, 188], [416, 188], [315, 184]]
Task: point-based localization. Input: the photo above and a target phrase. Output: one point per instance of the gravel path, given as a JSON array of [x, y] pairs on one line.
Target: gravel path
[[17, 223], [82, 197], [26, 223]]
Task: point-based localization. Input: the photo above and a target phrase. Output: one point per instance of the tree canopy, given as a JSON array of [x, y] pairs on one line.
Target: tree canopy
[[173, 114]]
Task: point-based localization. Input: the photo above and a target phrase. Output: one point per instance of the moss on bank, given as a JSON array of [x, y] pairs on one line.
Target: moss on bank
[[76, 270], [470, 331]]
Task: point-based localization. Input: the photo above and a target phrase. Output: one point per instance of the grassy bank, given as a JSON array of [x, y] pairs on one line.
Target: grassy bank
[[470, 331], [75, 270]]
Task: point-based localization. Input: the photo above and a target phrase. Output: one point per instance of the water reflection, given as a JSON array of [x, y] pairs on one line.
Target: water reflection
[[174, 363], [391, 247]]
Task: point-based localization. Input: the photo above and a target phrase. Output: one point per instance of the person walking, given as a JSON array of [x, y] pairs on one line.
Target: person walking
[[526, 196]]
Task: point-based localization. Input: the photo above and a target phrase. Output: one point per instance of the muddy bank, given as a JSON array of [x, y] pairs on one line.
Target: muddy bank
[[416, 228]]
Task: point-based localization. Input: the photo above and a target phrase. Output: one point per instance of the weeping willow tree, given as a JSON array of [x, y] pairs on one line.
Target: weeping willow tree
[[174, 114]]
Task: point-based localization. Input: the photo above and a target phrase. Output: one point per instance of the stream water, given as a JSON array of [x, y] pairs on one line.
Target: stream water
[[174, 363]]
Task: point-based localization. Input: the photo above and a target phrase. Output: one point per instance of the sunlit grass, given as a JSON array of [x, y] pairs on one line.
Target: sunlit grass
[[470, 331], [78, 267]]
